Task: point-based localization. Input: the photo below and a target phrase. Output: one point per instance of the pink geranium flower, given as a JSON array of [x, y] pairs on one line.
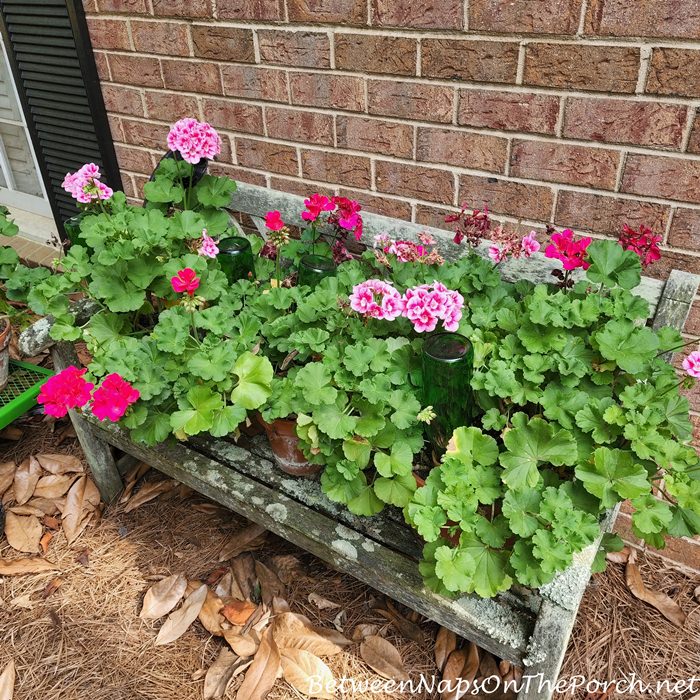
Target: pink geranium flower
[[85, 186], [64, 391], [113, 397], [495, 253], [316, 204], [427, 304], [273, 220], [207, 246], [185, 281], [194, 140], [376, 299], [572, 253], [529, 244], [691, 364]]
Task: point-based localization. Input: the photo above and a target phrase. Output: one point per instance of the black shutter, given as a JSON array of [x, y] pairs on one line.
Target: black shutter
[[54, 69]]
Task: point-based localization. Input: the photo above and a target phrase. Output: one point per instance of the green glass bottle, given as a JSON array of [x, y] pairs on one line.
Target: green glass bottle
[[448, 364], [313, 268], [236, 258], [72, 228]]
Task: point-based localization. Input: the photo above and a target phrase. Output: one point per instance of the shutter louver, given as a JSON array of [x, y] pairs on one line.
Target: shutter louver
[[57, 80]]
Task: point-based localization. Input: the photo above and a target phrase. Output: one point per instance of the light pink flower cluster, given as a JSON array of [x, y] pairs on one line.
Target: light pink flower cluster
[[194, 140], [427, 304], [423, 305], [691, 364], [408, 251], [68, 389], [85, 185], [377, 299], [514, 247], [207, 246]]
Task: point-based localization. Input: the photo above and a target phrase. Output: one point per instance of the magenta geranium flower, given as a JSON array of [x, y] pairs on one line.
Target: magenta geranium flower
[[572, 253], [316, 204], [185, 281], [207, 246], [347, 215], [273, 220], [64, 391], [113, 397], [194, 140], [691, 364]]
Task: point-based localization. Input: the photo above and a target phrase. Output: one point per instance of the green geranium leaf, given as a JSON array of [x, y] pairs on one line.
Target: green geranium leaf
[[453, 568], [522, 509], [651, 516], [398, 463], [226, 420], [527, 567], [215, 191], [612, 266], [314, 381], [172, 331], [397, 491], [197, 411], [357, 449], [630, 346], [366, 503], [154, 429], [254, 380], [333, 421], [470, 445], [490, 573], [163, 190], [340, 489], [530, 443]]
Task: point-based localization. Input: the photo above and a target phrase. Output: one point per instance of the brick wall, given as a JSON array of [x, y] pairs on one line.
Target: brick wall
[[581, 113]]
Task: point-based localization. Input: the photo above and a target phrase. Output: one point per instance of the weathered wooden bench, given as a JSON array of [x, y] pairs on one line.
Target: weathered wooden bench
[[529, 628]]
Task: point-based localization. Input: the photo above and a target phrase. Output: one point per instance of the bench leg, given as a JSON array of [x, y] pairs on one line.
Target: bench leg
[[97, 451]]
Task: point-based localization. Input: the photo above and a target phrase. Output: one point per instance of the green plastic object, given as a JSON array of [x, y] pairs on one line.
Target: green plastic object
[[23, 386]]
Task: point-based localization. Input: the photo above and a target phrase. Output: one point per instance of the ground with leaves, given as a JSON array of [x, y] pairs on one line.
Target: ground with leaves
[[90, 629]]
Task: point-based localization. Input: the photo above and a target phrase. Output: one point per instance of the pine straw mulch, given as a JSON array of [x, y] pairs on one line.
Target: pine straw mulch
[[85, 640]]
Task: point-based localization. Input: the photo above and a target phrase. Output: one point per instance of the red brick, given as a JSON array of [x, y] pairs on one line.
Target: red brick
[[593, 212], [508, 111], [415, 181], [299, 187], [386, 206], [115, 127], [623, 121], [139, 182], [123, 100], [181, 8], [328, 91], [433, 216], [660, 176], [146, 134], [375, 136], [255, 83], [685, 229], [169, 38], [192, 76], [135, 70], [337, 168], [418, 14], [694, 143], [601, 68], [128, 186], [370, 53], [461, 148], [238, 174], [133, 159], [234, 116], [109, 34], [250, 9], [505, 197], [264, 155], [477, 61], [223, 43], [169, 106], [306, 49], [102, 65], [525, 16], [129, 7], [419, 101], [332, 11], [674, 72], [299, 125], [574, 165], [654, 18], [89, 6], [692, 327]]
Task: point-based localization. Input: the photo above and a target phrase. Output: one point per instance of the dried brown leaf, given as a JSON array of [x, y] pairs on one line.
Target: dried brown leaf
[[7, 681], [262, 673], [238, 612], [322, 603], [248, 539], [148, 492], [179, 621], [488, 666], [665, 605], [44, 541], [408, 629], [7, 476], [452, 674], [471, 665], [270, 584], [219, 674], [26, 477], [245, 645], [223, 585], [216, 575], [131, 479], [81, 501], [54, 485], [23, 532], [307, 674], [210, 614], [364, 630], [48, 506], [26, 509], [51, 522], [11, 432], [83, 557], [292, 631], [288, 568], [60, 464], [620, 557], [243, 568], [161, 598], [445, 644], [280, 605], [51, 587], [383, 658], [27, 565], [696, 595]]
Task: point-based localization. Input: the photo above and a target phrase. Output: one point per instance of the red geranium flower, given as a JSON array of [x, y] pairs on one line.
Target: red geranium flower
[[315, 204], [273, 220], [186, 281], [643, 242]]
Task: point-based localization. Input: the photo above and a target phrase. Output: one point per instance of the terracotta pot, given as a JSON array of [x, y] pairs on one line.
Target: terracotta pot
[[5, 332], [284, 442]]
